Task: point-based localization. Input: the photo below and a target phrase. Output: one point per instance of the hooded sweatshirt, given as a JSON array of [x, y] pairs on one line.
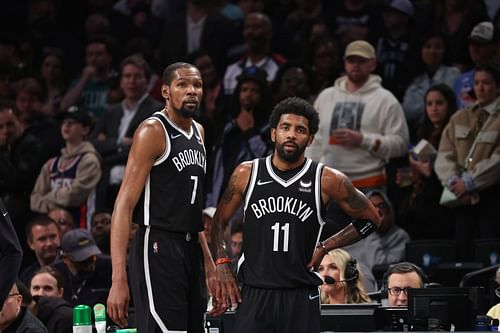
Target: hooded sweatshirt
[[371, 110], [51, 192]]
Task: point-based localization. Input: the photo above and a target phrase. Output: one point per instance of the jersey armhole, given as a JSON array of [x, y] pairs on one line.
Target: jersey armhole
[[166, 152]]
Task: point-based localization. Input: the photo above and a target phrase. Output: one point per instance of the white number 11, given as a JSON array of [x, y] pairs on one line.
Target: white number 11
[[286, 230]]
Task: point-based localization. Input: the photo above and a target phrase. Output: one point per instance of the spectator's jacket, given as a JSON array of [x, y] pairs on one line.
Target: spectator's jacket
[[72, 192], [457, 140], [55, 313], [371, 110], [413, 102], [26, 323]]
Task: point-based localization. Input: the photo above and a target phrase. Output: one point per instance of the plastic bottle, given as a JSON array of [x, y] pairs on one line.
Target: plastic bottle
[[482, 323], [82, 322], [100, 318]]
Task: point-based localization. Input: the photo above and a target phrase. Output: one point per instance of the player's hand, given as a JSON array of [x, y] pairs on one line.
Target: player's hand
[[118, 301], [315, 261], [228, 293]]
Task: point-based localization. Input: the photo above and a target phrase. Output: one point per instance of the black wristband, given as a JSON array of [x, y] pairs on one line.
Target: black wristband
[[364, 227]]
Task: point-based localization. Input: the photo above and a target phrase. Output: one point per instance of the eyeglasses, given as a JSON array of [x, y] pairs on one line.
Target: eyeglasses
[[382, 206], [396, 291]]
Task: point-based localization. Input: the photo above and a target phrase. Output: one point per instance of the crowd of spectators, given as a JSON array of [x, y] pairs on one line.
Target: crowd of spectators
[[78, 77]]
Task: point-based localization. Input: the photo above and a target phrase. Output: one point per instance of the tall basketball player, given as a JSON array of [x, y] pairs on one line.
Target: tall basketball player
[[284, 198], [161, 191]]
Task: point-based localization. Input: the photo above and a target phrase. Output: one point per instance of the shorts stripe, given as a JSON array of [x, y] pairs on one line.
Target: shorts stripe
[[152, 309]]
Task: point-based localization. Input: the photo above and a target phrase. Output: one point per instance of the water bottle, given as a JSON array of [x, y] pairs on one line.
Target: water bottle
[[82, 319]]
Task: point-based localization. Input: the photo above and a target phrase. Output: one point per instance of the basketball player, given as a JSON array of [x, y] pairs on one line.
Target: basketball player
[[163, 182], [284, 198]]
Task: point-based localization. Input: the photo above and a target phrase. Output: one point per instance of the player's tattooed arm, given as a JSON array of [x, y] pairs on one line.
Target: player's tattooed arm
[[228, 293]]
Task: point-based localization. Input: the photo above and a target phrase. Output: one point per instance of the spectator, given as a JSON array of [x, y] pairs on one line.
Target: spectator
[[467, 161], [21, 158], [29, 98], [48, 305], [246, 135], [481, 50], [10, 253], [387, 244], [455, 19], [64, 220], [362, 125], [68, 179], [399, 278], [16, 318], [257, 32], [86, 273], [343, 282], [293, 79], [52, 74], [325, 62], [100, 225], [112, 136], [42, 236], [395, 47], [252, 6], [236, 244], [354, 20], [46, 282], [195, 28], [420, 208], [91, 89], [432, 71]]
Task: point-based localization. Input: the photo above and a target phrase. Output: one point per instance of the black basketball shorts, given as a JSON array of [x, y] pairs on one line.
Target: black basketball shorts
[[278, 310], [167, 280]]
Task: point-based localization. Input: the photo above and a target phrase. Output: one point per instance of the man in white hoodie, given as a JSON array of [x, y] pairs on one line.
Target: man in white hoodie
[[362, 125]]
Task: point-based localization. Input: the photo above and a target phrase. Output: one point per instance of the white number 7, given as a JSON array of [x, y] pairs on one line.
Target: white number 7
[[195, 186]]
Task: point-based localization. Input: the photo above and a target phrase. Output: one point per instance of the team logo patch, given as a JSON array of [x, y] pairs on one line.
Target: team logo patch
[[305, 186], [155, 247]]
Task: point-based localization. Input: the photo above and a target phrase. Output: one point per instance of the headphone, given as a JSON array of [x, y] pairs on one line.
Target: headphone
[[402, 268], [351, 273]]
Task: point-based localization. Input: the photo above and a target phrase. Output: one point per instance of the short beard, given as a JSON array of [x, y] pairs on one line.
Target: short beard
[[293, 157], [188, 114]]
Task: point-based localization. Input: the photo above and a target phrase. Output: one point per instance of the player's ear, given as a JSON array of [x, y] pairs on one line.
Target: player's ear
[[165, 91], [273, 134], [311, 139]]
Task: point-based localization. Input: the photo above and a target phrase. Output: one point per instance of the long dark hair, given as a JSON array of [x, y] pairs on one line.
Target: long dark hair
[[427, 130]]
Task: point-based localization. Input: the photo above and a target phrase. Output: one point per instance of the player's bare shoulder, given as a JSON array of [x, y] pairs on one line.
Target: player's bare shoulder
[[150, 137]]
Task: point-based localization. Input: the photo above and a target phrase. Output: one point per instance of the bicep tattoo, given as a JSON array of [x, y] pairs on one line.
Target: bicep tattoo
[[230, 190], [355, 199]]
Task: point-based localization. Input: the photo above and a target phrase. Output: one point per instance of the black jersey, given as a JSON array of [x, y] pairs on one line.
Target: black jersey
[[172, 195], [282, 226]]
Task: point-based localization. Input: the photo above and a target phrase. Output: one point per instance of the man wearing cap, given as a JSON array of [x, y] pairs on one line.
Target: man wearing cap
[[362, 125], [68, 180], [86, 273], [244, 136], [481, 50]]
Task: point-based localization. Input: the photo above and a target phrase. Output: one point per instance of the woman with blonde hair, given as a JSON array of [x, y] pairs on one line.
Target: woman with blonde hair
[[343, 279]]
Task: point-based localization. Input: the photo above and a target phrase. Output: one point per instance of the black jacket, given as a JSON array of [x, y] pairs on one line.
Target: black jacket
[[26, 323], [10, 254], [55, 313]]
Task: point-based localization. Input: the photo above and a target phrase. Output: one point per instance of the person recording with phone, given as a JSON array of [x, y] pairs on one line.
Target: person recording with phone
[[343, 281]]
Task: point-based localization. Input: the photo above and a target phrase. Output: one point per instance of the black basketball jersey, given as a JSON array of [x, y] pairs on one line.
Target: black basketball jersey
[[172, 195], [282, 226]]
